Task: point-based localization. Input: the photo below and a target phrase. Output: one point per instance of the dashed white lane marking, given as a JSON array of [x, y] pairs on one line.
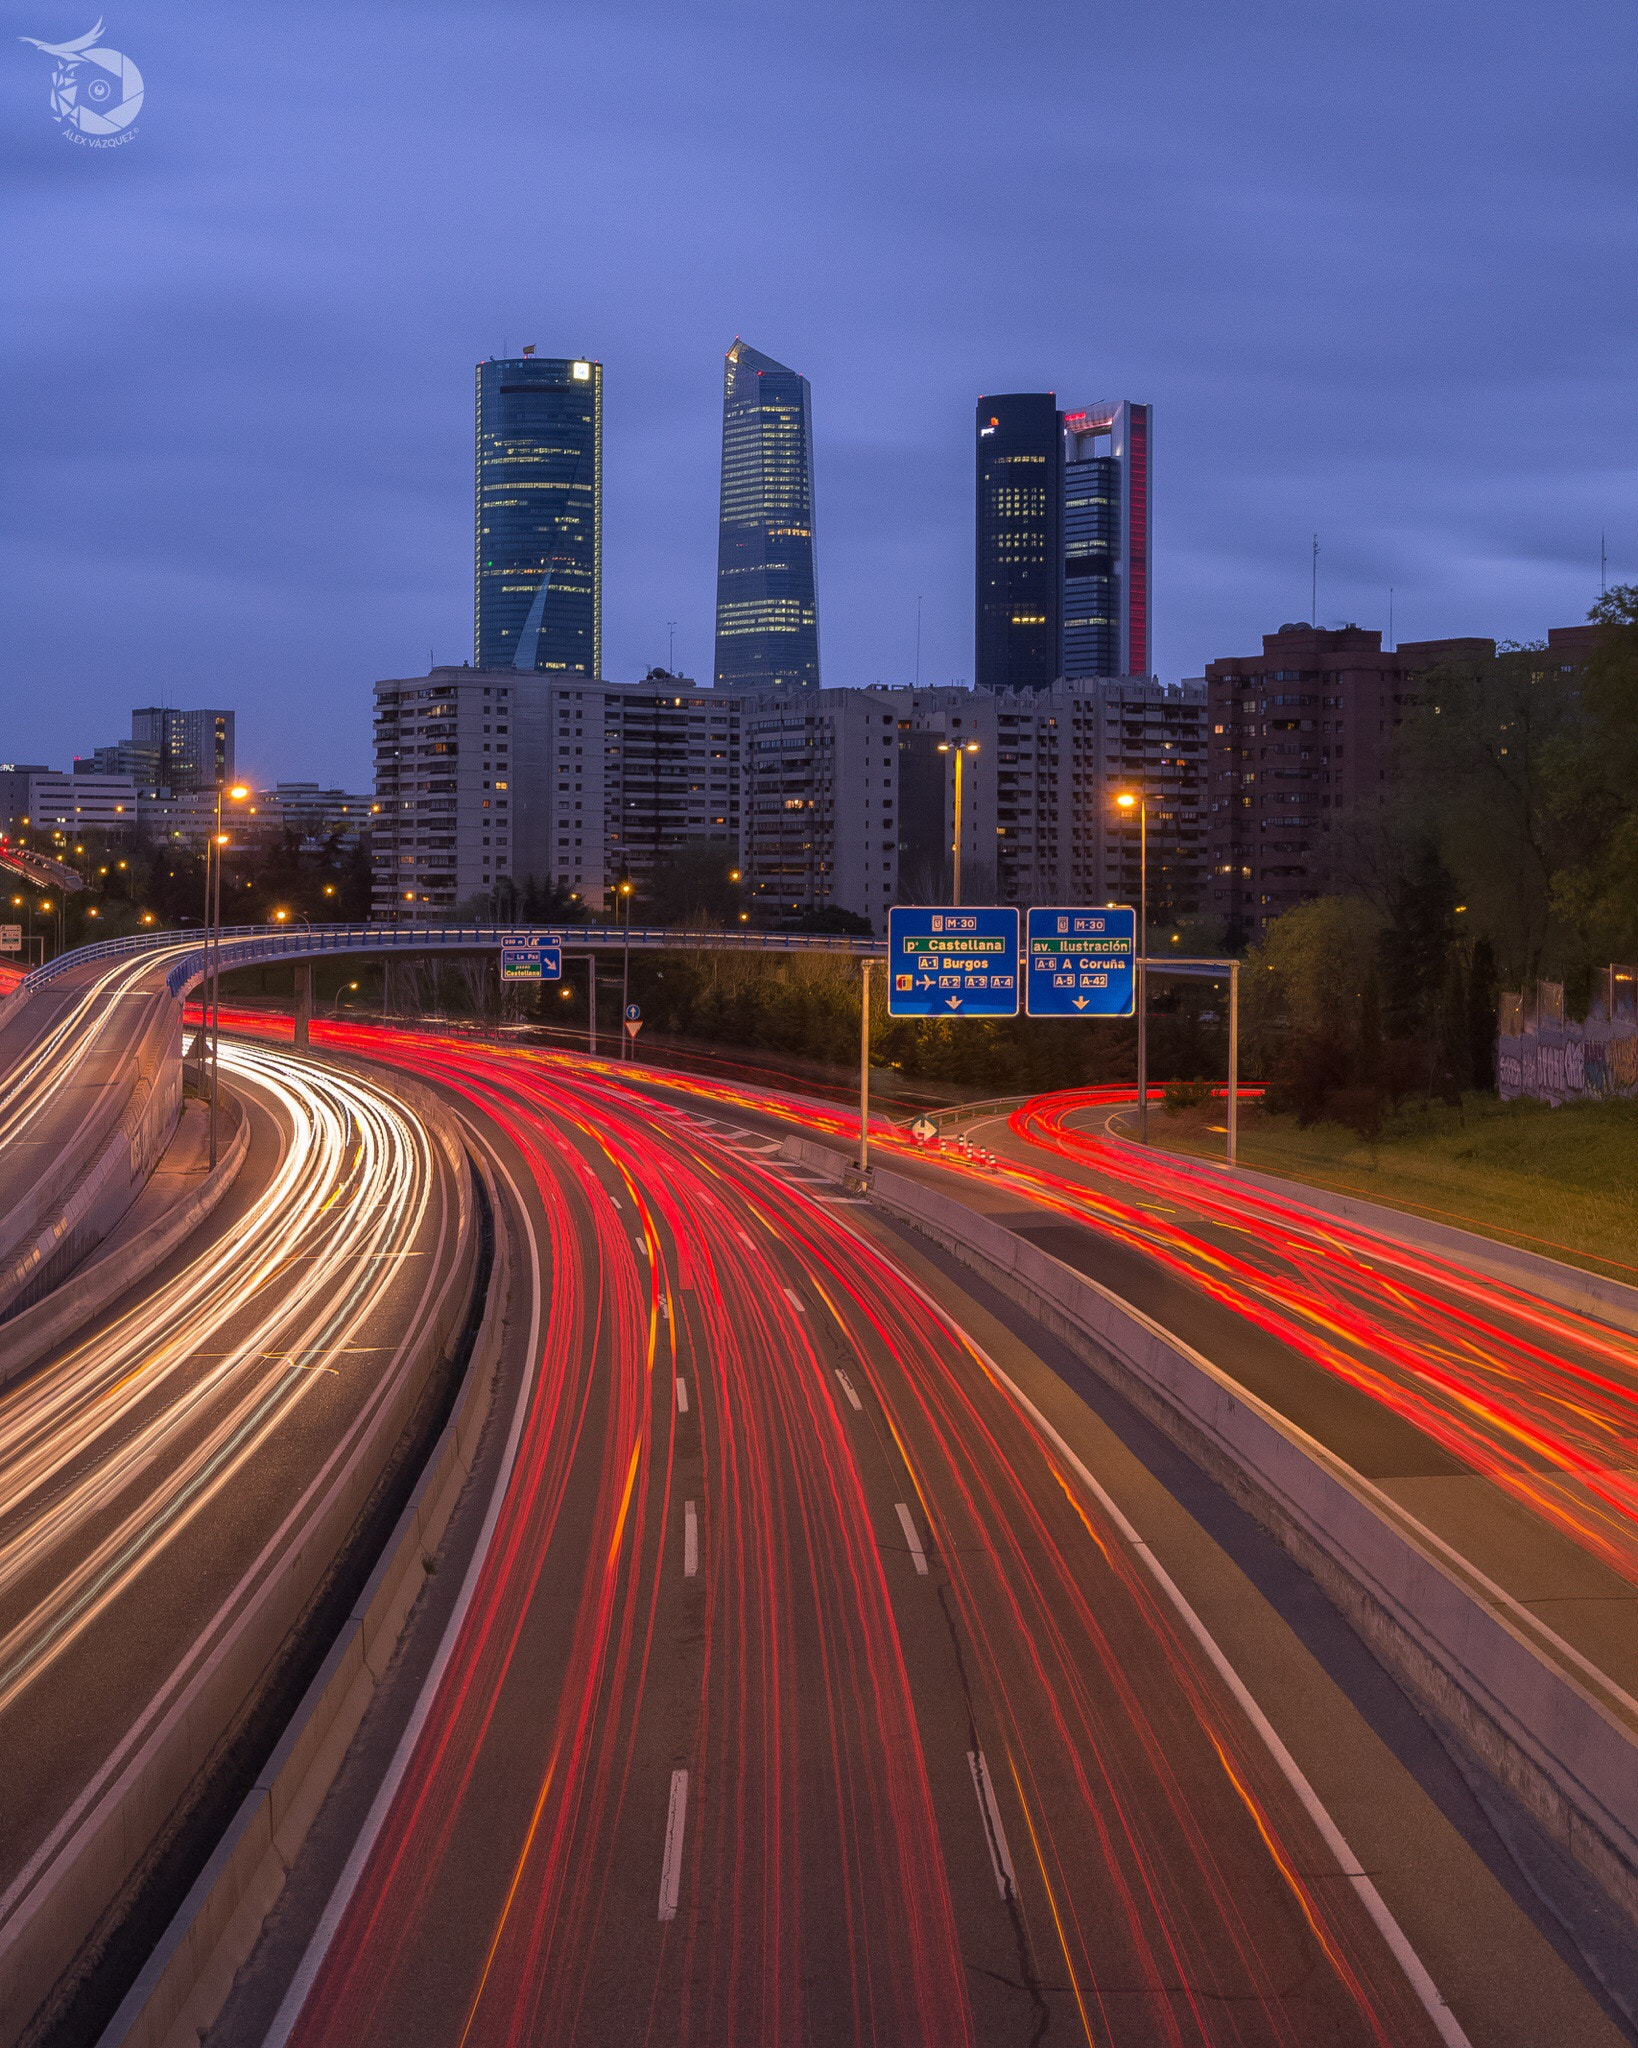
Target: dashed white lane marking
[[682, 1395], [793, 1297], [665, 1306], [643, 1248], [1006, 1878], [671, 1868], [918, 1556], [745, 1237], [847, 1388], [691, 1540]]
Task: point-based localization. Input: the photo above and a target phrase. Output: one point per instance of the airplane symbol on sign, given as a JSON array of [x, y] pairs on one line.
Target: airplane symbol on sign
[[926, 981]]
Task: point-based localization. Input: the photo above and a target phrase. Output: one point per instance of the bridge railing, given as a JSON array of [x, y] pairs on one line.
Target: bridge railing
[[258, 944]]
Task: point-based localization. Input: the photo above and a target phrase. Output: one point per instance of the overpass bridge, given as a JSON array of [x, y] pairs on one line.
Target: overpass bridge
[[91, 1055]]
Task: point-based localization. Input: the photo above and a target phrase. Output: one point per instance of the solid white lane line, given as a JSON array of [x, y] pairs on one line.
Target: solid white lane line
[[682, 1395], [671, 1868], [847, 1388], [793, 1297], [1006, 1878], [691, 1540], [917, 1554]]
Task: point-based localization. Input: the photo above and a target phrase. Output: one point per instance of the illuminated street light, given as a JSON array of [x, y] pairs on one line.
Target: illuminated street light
[[1140, 803], [212, 1022], [958, 748], [625, 971]]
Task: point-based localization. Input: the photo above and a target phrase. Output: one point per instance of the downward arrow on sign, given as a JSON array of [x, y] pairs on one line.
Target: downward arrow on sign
[[954, 1002], [1081, 1002]]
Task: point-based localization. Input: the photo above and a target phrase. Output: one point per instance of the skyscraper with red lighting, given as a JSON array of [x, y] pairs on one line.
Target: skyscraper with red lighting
[[1106, 522], [1063, 534]]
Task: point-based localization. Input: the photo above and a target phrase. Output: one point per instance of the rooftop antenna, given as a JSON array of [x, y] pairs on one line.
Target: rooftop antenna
[[1603, 564], [1313, 596], [671, 646], [1390, 618], [918, 643]]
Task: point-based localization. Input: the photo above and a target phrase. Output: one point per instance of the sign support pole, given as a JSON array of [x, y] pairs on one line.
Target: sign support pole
[[864, 1066], [1234, 1061], [591, 1001], [1142, 964]]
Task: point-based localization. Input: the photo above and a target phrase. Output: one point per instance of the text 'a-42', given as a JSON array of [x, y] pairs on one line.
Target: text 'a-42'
[[1080, 961]]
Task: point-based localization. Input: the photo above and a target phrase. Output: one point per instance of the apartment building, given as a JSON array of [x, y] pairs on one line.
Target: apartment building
[[844, 800], [459, 788], [631, 775], [1042, 789], [1301, 734]]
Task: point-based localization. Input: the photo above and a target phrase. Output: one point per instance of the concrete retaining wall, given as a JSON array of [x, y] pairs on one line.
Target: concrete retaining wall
[[77, 1883], [49, 1324], [72, 1207], [189, 1975], [1562, 1736]]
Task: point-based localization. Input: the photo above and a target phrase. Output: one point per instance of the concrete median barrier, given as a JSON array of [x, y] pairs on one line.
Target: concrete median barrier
[[1553, 1279], [1542, 1718], [189, 1975]]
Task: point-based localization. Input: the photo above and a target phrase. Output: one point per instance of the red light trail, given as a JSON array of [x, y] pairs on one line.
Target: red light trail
[[941, 1760]]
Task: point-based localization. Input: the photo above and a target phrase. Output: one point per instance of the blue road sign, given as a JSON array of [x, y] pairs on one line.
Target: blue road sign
[[952, 963], [634, 1013], [1080, 962], [530, 960]]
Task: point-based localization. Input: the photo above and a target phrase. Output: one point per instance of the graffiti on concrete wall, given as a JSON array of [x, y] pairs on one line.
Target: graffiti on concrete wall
[[1543, 1055]]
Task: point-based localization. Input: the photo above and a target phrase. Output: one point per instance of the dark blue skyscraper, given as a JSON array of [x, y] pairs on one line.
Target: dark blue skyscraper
[[767, 609], [539, 593], [1019, 530]]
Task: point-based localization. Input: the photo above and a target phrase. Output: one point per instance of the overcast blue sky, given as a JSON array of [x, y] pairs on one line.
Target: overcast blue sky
[[1373, 265]]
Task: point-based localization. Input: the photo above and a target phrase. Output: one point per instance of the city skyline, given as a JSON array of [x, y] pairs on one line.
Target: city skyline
[[1431, 297]]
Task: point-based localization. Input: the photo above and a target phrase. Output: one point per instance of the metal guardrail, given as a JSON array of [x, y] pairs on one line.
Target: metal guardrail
[[256, 944]]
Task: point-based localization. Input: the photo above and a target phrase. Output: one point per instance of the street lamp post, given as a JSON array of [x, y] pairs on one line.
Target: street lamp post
[[213, 953], [625, 971], [958, 748], [1140, 804]]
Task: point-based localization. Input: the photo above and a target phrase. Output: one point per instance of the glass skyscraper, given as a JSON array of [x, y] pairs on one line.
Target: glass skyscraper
[[1063, 542], [1019, 532], [539, 582], [1106, 458], [767, 608]]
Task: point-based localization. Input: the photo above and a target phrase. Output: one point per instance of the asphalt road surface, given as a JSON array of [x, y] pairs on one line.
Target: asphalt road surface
[[157, 1468], [810, 1686]]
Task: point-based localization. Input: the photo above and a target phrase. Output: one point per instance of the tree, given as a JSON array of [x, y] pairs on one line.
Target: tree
[[1311, 1008]]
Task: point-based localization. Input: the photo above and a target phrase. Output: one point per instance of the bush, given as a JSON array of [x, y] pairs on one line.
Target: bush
[[1181, 1095]]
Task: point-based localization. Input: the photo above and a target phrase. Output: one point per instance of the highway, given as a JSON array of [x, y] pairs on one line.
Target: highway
[[161, 1470], [1506, 1423], [811, 1686]]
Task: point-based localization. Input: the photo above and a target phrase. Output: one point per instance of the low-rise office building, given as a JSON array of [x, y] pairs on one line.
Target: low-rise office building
[[66, 804]]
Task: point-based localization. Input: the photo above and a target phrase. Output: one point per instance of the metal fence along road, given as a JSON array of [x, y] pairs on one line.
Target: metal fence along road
[[256, 944]]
